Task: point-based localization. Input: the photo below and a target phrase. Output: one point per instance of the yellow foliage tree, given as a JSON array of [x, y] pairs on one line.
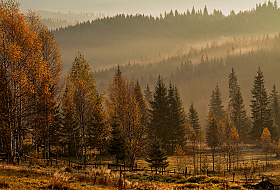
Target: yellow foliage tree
[[125, 106], [266, 142]]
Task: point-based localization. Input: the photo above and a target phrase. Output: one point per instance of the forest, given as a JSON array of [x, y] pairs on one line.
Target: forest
[[54, 20], [115, 40], [196, 113]]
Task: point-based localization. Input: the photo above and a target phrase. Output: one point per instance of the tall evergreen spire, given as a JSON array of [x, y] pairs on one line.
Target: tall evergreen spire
[[261, 114], [216, 104]]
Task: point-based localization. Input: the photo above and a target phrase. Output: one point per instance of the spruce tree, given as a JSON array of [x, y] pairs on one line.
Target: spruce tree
[[275, 106], [232, 87], [193, 119], [239, 115], [157, 155], [261, 114], [176, 118], [117, 145], [215, 105], [148, 94], [143, 104], [159, 113]]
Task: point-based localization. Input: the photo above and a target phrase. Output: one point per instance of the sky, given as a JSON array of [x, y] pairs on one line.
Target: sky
[[147, 7]]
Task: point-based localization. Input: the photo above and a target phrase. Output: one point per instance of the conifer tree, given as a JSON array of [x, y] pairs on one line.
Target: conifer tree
[[215, 105], [275, 106], [148, 94], [261, 114], [232, 87], [159, 113], [193, 119], [116, 144], [157, 155], [176, 118], [193, 122], [239, 115], [143, 104], [98, 128]]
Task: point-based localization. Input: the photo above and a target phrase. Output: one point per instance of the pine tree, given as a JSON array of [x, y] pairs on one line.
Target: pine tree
[[157, 156], [176, 118], [159, 113], [261, 114], [143, 105], [193, 122], [98, 128], [233, 87], [116, 144], [148, 94], [239, 115], [215, 105], [193, 119], [275, 106]]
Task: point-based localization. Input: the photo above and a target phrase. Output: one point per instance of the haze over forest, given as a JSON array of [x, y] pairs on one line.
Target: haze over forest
[[152, 38]]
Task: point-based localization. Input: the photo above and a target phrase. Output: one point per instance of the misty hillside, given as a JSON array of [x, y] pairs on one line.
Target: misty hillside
[[197, 73], [59, 19], [122, 38]]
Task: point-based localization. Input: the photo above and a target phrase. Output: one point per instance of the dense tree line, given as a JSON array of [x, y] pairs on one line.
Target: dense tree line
[[208, 71], [146, 38], [174, 25]]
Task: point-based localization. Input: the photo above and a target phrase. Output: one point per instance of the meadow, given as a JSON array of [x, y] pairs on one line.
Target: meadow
[[250, 170]]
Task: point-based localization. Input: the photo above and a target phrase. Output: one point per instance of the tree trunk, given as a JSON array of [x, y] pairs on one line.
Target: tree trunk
[[213, 157]]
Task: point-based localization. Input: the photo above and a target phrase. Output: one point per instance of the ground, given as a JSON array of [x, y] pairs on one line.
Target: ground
[[250, 170]]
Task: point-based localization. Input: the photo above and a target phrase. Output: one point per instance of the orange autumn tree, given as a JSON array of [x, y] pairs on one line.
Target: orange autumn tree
[[266, 142], [45, 76], [127, 106], [30, 78]]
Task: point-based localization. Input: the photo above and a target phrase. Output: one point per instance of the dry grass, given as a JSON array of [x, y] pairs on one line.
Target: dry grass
[[37, 177]]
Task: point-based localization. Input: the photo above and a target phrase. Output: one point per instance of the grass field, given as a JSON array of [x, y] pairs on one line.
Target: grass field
[[251, 169]]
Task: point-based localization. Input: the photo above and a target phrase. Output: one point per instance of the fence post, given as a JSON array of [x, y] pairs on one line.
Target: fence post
[[186, 171]]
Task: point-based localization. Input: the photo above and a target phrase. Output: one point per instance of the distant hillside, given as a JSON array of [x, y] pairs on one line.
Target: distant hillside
[[197, 73], [122, 38], [55, 20]]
